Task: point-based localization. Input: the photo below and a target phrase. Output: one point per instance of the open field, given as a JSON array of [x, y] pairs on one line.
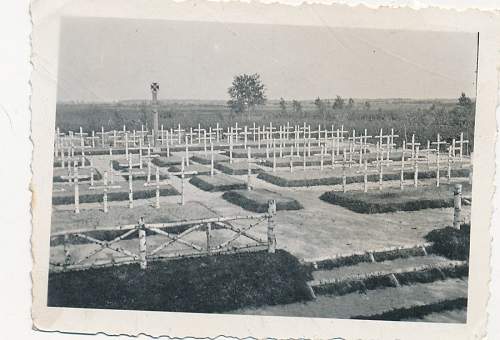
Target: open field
[[396, 113]]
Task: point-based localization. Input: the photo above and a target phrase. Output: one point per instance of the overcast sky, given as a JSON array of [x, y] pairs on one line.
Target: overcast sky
[[117, 59]]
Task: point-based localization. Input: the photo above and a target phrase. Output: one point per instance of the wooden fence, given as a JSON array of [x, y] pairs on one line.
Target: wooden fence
[[139, 232]]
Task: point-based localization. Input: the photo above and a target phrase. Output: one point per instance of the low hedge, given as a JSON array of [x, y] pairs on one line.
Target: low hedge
[[417, 312], [450, 242], [113, 196], [393, 200], [213, 284], [353, 178], [257, 200], [385, 280], [203, 183]]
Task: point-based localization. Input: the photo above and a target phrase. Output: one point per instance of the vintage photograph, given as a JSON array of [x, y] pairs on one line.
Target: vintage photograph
[[263, 169]]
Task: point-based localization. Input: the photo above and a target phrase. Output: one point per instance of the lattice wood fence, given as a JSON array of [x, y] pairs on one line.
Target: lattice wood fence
[[74, 258]]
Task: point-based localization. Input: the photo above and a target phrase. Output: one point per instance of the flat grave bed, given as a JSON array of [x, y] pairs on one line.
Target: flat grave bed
[[206, 159], [257, 200], [199, 168], [219, 182], [61, 175], [238, 168], [164, 161], [64, 194], [392, 200], [314, 177]]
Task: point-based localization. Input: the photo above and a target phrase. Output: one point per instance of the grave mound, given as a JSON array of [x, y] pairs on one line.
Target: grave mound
[[198, 168], [392, 200], [257, 200], [218, 182], [164, 161], [206, 159], [65, 194], [238, 168]]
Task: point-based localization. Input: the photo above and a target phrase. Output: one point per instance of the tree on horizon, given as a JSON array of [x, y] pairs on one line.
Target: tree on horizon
[[246, 92]]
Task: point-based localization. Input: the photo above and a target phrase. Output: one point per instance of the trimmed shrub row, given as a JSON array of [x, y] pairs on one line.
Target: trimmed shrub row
[[385, 280], [207, 186], [354, 178], [259, 206], [417, 312]]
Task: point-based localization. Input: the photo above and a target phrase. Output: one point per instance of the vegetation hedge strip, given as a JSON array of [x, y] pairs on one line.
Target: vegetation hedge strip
[[450, 242], [392, 200], [379, 256], [417, 312], [358, 178], [204, 185], [384, 280], [112, 196], [259, 206], [212, 284]]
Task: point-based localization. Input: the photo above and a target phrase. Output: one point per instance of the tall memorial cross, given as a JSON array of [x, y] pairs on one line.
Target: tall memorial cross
[[155, 87]]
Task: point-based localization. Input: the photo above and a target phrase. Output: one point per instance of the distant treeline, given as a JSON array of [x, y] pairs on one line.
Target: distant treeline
[[424, 118]]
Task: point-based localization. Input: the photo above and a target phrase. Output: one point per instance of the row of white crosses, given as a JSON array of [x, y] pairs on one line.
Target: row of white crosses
[[107, 185]]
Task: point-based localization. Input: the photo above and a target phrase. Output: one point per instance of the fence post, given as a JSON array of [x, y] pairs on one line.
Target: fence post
[[142, 244], [457, 199], [77, 192], [208, 231], [271, 237], [291, 158]]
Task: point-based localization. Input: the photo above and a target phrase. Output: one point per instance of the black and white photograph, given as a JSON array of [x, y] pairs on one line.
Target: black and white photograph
[[264, 170]]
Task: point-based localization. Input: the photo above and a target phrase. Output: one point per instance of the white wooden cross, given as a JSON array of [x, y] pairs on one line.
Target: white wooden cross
[[105, 187], [157, 183], [413, 144], [392, 135], [254, 131], [461, 143], [199, 130], [217, 132], [416, 160], [179, 132]]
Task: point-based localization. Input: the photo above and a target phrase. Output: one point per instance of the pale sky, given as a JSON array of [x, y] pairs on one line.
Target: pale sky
[[117, 59]]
